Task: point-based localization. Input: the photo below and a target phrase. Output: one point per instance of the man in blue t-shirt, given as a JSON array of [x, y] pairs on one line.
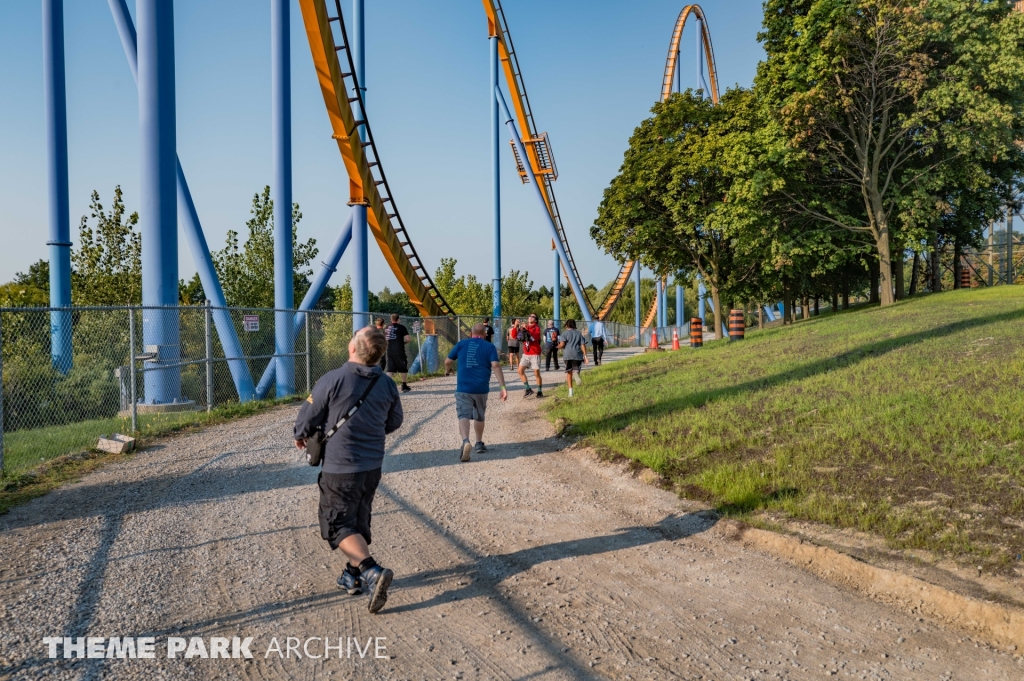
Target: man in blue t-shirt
[[476, 360]]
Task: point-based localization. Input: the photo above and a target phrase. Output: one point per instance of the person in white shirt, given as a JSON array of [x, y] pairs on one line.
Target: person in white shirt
[[597, 341]]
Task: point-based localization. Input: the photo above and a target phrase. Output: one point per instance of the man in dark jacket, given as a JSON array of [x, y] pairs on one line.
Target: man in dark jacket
[[353, 457]]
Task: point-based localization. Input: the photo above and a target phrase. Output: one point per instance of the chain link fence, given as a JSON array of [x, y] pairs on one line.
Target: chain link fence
[[59, 397]]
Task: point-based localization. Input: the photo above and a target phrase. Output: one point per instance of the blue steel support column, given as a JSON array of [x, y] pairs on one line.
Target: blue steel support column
[[701, 292], [657, 301], [360, 232], [59, 242], [193, 231], [577, 286], [680, 304], [557, 293], [495, 179], [327, 268], [665, 294], [158, 205], [664, 306], [281, 122], [636, 295]]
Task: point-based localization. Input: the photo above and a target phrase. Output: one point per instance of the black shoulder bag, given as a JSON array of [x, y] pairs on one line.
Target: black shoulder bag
[[317, 442]]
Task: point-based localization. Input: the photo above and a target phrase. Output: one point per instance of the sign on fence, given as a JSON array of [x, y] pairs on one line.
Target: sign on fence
[[416, 326], [251, 322]]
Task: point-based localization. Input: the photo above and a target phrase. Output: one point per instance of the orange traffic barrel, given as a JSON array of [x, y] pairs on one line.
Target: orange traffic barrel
[[965, 277], [696, 333], [736, 325]]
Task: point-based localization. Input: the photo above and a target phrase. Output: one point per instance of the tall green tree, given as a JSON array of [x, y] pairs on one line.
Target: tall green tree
[[246, 270], [108, 261], [669, 206], [885, 98]]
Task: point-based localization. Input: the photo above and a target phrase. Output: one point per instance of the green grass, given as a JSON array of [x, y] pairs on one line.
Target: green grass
[[907, 422], [37, 461]]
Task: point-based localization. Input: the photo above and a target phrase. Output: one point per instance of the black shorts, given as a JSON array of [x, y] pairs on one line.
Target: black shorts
[[573, 365], [346, 501], [513, 349], [398, 363]]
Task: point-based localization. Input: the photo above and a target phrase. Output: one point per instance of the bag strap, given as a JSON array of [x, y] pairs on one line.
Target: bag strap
[[355, 407]]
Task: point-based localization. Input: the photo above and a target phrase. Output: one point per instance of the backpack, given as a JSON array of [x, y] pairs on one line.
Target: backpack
[[524, 335]]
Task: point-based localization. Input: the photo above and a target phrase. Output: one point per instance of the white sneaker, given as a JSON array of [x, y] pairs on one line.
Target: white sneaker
[[570, 392]]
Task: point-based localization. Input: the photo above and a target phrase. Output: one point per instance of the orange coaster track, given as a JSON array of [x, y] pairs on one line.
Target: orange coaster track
[[666, 91], [498, 26], [367, 183]]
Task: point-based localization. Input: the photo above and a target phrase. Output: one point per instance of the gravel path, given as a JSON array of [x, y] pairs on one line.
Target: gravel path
[[530, 562]]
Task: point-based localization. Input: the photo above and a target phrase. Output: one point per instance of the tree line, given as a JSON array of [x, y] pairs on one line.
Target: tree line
[[880, 138]]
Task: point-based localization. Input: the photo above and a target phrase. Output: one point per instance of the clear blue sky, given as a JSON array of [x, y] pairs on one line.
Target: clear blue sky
[[592, 70]]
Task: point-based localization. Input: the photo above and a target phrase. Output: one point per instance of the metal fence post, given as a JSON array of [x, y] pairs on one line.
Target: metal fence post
[[1, 397], [458, 328], [131, 364], [209, 357], [309, 387]]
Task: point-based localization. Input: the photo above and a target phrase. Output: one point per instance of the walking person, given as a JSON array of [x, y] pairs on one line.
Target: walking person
[[379, 323], [352, 457], [488, 330], [574, 352], [513, 344], [597, 341], [550, 345], [531, 338], [398, 336], [475, 359]]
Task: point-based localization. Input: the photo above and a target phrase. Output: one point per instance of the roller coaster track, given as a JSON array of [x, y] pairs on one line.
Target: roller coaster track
[[367, 183], [666, 92], [498, 26]]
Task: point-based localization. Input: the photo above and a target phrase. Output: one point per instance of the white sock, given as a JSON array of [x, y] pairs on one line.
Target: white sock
[[570, 392]]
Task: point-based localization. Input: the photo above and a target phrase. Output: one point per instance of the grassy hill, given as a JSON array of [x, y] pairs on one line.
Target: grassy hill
[[906, 421]]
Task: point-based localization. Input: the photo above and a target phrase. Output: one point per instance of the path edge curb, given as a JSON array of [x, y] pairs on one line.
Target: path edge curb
[[1000, 624]]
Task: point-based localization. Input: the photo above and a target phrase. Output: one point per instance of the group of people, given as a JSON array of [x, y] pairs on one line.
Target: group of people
[[551, 342], [350, 413]]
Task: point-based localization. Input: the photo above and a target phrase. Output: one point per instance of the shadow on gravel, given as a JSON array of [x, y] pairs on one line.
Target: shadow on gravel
[[414, 461], [119, 499], [488, 570], [484, 573]]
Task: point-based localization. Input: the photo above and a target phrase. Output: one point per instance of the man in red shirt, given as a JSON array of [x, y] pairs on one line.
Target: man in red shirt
[[530, 342]]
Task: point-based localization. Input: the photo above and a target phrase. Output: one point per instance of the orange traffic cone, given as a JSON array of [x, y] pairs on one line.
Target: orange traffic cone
[[654, 339], [675, 337]]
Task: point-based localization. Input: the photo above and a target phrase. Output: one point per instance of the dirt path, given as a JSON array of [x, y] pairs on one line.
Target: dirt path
[[527, 563]]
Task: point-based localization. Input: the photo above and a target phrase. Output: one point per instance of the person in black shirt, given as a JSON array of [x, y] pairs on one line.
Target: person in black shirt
[[353, 457], [551, 345], [397, 336], [488, 330]]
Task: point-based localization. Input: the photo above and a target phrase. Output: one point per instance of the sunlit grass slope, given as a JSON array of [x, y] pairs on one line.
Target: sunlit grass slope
[[906, 421]]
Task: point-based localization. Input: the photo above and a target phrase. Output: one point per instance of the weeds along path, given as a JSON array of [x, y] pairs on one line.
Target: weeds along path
[[530, 562]]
